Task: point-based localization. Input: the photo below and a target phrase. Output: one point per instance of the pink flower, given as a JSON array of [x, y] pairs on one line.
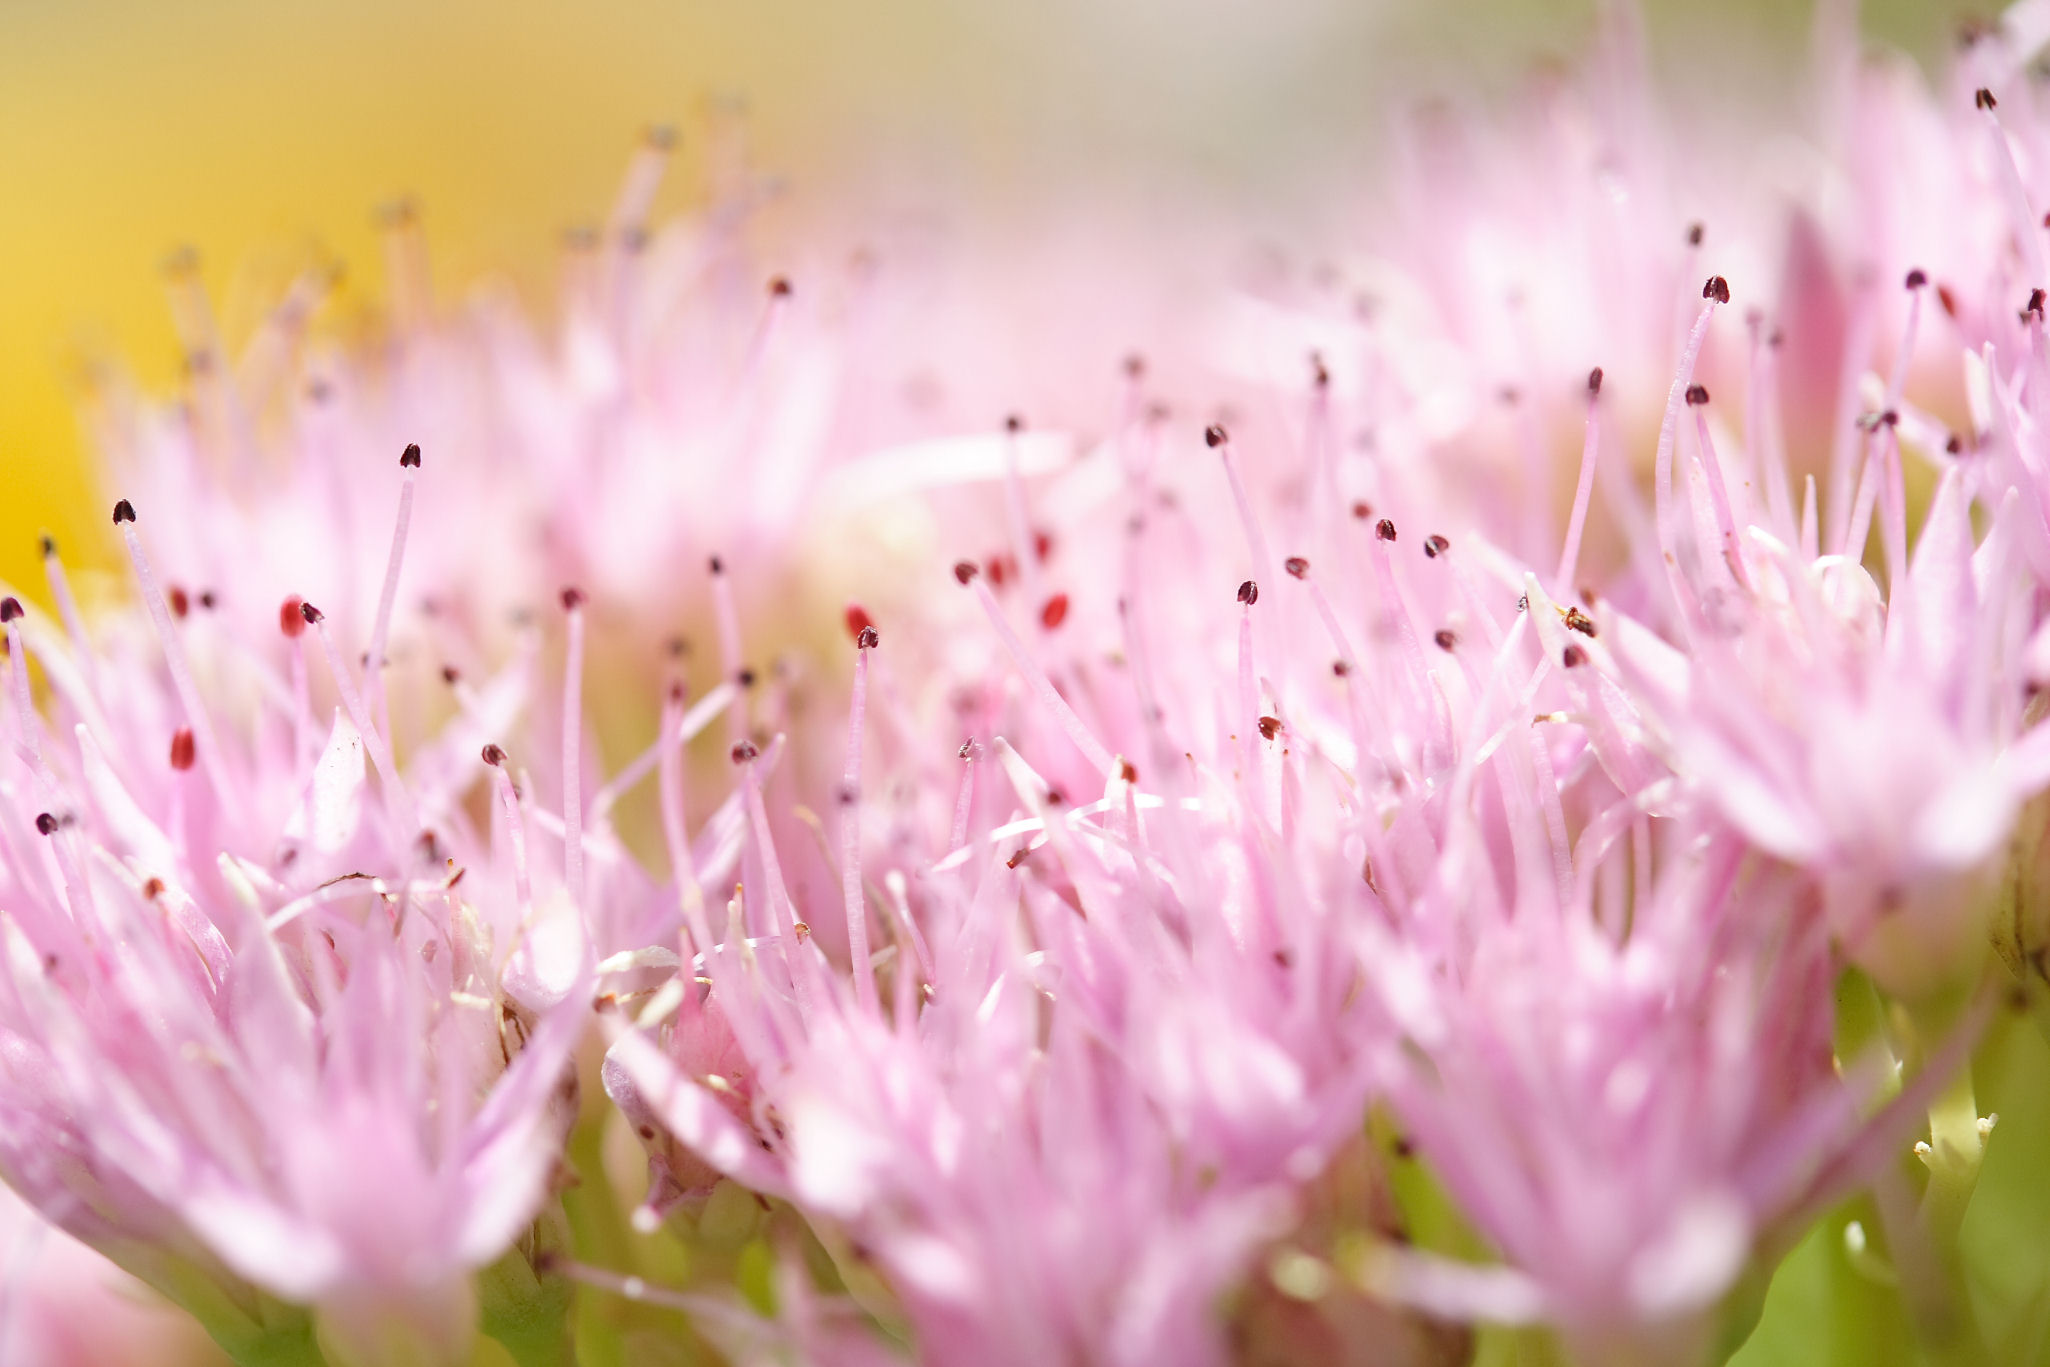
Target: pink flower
[[1063, 1150], [261, 1043]]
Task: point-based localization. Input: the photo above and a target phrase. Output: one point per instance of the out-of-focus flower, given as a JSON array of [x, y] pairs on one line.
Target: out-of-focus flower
[[679, 408], [62, 1305]]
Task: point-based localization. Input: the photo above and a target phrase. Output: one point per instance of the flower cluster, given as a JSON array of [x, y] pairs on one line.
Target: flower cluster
[[1328, 883]]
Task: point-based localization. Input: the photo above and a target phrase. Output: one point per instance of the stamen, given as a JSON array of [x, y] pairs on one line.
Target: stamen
[[515, 827], [174, 655], [1893, 513], [727, 619], [573, 750], [1256, 543], [1249, 693], [1583, 493], [1859, 526], [17, 656], [779, 292], [405, 256], [1423, 697], [682, 864], [1668, 513], [352, 702], [409, 469], [708, 1308], [1718, 492], [1092, 749], [791, 933], [1764, 434], [691, 724], [966, 798], [1017, 516], [850, 832], [293, 624], [2023, 223], [637, 189], [67, 609], [1899, 378]]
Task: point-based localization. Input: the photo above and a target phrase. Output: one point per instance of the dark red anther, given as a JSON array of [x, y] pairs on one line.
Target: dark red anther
[[180, 604], [1214, 436], [1576, 620], [1717, 289], [207, 600], [746, 677], [1054, 611], [1363, 511], [572, 599], [153, 889], [1297, 567], [867, 639], [1249, 593], [1270, 727], [716, 565], [1697, 395], [1446, 638], [1917, 278], [1695, 232], [124, 511], [779, 287], [1594, 380], [1573, 657], [10, 609], [1384, 530], [449, 675], [1982, 98], [964, 571], [1955, 445], [409, 459], [494, 755], [1340, 668], [182, 750], [312, 615], [46, 823], [1014, 423], [1435, 546], [1126, 771], [744, 752]]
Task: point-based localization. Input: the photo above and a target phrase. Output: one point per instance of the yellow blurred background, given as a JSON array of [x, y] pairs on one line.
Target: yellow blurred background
[[263, 135]]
